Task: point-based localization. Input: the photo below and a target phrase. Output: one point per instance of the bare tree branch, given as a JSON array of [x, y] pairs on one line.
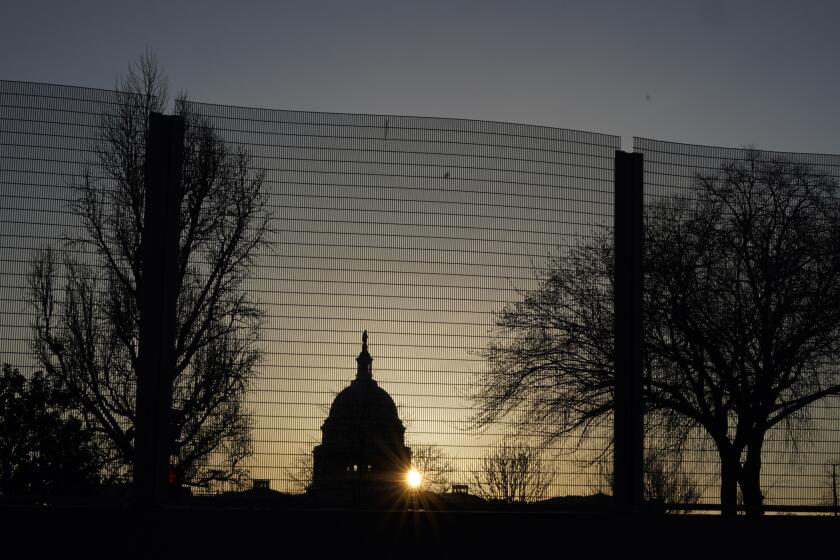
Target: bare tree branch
[[90, 339], [741, 316]]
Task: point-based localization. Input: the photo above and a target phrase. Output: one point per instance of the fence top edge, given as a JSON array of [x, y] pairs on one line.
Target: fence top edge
[[69, 86], [614, 137], [732, 148]]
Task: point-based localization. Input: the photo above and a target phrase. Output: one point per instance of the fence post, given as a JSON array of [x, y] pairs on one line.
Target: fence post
[[158, 296], [628, 465]]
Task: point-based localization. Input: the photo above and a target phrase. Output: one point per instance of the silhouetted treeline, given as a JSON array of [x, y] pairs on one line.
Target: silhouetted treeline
[[45, 450]]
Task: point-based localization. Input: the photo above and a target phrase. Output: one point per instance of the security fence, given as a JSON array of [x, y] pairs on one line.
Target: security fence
[[54, 174], [477, 258], [749, 309], [418, 230]]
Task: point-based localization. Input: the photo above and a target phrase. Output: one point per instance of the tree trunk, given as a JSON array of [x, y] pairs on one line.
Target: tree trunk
[[750, 478], [730, 465]]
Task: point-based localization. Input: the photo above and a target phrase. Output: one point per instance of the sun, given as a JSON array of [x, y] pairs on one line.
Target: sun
[[415, 479]]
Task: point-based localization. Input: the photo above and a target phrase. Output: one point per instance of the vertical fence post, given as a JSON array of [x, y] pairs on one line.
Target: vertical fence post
[[628, 420], [158, 295]]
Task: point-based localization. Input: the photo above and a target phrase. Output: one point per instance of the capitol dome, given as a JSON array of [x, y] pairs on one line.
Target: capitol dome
[[360, 404], [363, 439]]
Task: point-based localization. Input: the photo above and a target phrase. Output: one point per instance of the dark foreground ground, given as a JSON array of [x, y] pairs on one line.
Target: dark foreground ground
[[256, 532]]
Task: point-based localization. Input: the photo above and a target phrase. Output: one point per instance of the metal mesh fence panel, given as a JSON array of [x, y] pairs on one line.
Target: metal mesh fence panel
[[58, 178], [469, 252], [49, 134], [419, 231], [751, 314]]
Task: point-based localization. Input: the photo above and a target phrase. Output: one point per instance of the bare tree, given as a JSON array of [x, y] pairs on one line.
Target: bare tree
[[300, 475], [741, 317], [86, 296], [832, 495], [512, 472], [667, 485], [434, 466]]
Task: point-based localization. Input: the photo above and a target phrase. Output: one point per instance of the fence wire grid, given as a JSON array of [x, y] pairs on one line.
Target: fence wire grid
[[798, 458], [420, 231]]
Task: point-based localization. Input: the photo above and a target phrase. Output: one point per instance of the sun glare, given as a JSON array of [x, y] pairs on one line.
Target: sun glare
[[414, 478]]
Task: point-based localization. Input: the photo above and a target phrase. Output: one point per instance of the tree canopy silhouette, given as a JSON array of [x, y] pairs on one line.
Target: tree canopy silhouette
[[86, 295], [741, 316], [44, 449]]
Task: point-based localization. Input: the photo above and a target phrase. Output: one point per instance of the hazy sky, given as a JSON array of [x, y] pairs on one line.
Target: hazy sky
[[707, 72]]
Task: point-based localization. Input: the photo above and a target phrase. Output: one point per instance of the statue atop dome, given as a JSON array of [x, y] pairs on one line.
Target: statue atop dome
[[364, 363]]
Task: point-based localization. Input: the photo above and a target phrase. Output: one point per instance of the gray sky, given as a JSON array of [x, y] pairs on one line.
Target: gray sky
[[698, 71]]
